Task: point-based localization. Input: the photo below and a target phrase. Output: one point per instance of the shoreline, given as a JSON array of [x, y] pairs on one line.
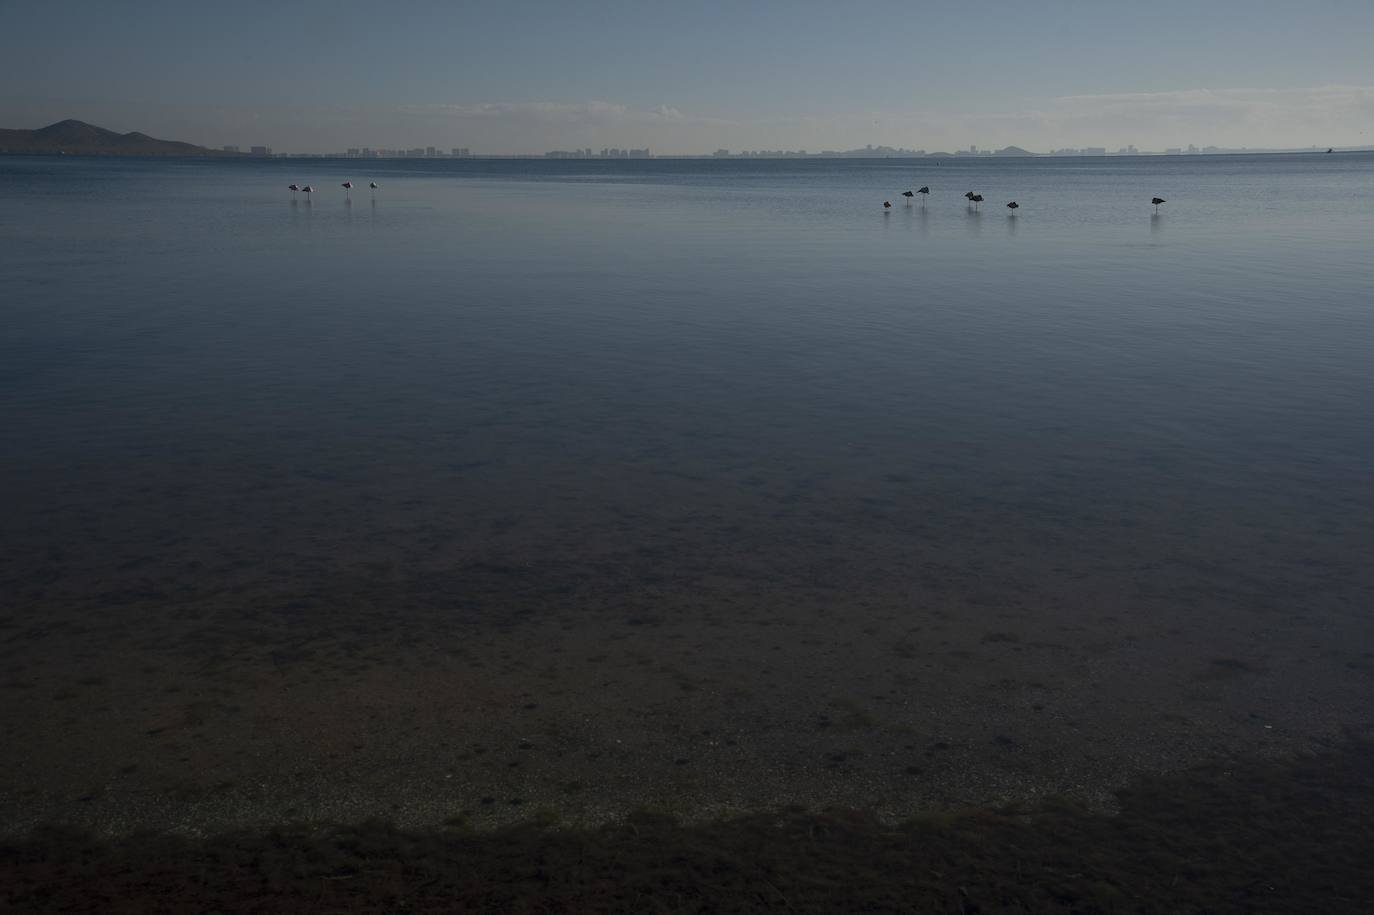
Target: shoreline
[[1292, 836]]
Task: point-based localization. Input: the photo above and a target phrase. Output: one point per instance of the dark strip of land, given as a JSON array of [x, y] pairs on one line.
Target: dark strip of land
[[1256, 836], [77, 138]]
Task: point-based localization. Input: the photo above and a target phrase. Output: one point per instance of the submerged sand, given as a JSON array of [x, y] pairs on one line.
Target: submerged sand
[[200, 696]]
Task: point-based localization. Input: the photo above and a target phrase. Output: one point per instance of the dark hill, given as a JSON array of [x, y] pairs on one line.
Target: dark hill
[[78, 138]]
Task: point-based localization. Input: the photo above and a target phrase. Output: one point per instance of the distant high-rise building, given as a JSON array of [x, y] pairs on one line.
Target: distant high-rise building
[[231, 149], [430, 152], [352, 152], [1093, 151], [260, 150]]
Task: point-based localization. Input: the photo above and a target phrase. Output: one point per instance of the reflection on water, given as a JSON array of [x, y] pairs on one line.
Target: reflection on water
[[974, 219]]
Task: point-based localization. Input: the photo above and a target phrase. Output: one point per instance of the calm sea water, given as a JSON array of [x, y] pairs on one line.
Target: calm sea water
[[492, 391]]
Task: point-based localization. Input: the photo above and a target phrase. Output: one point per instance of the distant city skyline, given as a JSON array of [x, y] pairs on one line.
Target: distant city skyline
[[528, 77], [867, 151]]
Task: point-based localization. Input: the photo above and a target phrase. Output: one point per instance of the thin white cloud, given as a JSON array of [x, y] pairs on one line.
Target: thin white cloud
[[1326, 115], [592, 113], [1231, 117], [535, 126]]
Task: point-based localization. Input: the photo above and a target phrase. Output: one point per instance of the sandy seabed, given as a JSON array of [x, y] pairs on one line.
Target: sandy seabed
[[317, 657], [208, 687]]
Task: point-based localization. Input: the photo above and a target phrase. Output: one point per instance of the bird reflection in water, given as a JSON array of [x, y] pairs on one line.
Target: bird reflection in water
[[917, 217], [974, 220]]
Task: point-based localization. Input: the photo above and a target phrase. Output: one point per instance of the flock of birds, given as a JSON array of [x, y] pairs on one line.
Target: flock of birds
[[309, 189], [972, 198], [975, 199]]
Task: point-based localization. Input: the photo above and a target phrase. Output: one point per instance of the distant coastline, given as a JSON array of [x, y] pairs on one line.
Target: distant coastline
[[77, 138]]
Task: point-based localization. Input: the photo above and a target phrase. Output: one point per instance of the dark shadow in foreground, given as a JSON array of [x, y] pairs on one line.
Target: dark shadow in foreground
[[1294, 836]]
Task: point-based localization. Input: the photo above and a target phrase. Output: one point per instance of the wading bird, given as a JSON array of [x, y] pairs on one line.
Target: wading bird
[[372, 184], [908, 195], [347, 186], [293, 188], [307, 190], [977, 199], [1012, 206], [887, 204], [1157, 201], [924, 192]]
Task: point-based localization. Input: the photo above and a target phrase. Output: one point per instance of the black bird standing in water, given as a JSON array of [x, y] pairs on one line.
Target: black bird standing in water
[[1157, 201], [925, 192], [1012, 206], [977, 199], [908, 195], [887, 204]]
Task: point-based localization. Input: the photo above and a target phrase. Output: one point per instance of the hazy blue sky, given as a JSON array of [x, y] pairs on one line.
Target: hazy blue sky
[[528, 76]]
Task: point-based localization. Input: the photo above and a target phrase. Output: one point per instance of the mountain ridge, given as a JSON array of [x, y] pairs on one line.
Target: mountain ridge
[[77, 138]]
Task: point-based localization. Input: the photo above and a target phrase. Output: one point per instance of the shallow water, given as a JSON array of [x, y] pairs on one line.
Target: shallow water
[[692, 464]]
